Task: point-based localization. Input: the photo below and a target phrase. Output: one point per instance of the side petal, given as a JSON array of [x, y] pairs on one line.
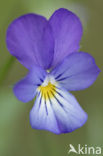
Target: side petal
[[67, 31], [59, 114], [78, 71], [25, 89], [29, 39]]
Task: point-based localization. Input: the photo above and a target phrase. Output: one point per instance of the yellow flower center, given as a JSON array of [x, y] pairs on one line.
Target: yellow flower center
[[48, 91]]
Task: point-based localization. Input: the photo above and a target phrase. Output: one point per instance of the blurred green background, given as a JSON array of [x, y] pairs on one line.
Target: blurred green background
[[17, 138]]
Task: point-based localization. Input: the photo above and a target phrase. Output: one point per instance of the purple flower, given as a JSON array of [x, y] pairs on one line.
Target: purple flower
[[49, 50]]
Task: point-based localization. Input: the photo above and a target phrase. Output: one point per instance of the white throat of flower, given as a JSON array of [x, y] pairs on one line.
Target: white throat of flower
[[48, 87]]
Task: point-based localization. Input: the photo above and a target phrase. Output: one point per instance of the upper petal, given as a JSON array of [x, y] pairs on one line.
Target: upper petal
[[29, 39], [67, 31], [25, 89], [60, 113], [77, 71]]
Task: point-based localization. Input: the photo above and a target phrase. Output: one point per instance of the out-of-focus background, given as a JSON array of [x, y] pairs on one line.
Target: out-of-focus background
[[17, 138]]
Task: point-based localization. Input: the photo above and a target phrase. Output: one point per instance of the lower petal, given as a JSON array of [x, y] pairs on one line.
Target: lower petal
[[59, 113]]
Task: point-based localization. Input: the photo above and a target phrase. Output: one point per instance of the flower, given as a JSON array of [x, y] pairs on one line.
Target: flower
[[49, 50]]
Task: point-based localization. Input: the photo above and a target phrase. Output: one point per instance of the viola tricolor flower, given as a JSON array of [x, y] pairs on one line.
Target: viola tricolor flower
[[49, 50]]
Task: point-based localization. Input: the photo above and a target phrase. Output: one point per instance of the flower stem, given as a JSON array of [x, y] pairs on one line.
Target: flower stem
[[5, 69]]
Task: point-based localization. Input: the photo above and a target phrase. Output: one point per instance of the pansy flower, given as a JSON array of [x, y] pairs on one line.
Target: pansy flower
[[49, 50]]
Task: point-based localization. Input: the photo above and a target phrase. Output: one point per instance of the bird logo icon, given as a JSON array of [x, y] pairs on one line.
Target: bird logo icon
[[72, 149]]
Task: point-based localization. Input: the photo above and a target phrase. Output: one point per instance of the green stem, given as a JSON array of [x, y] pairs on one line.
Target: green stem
[[5, 69]]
